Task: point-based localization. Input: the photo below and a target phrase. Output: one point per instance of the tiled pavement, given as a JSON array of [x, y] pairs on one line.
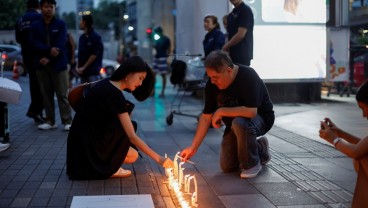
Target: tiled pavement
[[304, 172]]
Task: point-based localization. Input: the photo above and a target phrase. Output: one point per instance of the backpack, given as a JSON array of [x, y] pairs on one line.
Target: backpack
[[178, 72], [76, 94]]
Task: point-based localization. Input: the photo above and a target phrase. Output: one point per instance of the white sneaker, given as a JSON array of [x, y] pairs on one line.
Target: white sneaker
[[67, 127], [4, 146], [251, 172], [46, 126]]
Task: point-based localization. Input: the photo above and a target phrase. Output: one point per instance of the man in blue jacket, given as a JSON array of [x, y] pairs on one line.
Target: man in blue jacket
[[22, 30], [48, 38]]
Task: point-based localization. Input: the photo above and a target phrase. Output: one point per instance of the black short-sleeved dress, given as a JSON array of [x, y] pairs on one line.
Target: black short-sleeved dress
[[97, 144]]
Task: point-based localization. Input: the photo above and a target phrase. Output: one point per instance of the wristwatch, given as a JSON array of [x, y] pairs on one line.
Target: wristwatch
[[336, 140]]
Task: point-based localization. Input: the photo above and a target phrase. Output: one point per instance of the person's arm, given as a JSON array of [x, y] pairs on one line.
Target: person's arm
[[61, 38], [19, 37], [88, 62], [355, 149], [72, 47], [341, 133], [169, 47], [240, 111], [97, 49], [37, 40], [239, 35], [140, 144], [219, 41], [202, 128]]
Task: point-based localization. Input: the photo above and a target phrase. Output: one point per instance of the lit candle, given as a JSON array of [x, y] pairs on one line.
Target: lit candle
[[176, 179], [181, 174], [189, 180], [194, 199], [195, 193], [176, 165], [186, 183]]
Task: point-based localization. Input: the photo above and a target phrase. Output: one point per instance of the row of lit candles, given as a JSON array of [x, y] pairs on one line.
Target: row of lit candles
[[176, 179]]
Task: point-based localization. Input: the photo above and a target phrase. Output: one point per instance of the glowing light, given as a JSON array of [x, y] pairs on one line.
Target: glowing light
[[156, 37], [176, 179]]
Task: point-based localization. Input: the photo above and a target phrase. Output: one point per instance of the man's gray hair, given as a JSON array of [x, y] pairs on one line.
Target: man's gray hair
[[217, 60]]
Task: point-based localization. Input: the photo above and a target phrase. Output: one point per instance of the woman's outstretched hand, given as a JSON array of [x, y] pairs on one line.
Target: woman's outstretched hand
[[166, 162]]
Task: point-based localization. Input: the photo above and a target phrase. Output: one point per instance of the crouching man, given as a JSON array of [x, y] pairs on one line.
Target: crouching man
[[236, 96]]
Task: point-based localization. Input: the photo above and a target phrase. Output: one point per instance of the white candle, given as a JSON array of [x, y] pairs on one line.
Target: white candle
[[195, 193], [180, 181], [189, 180], [186, 183]]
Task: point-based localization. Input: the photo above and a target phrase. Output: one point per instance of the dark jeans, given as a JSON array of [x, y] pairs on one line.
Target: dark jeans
[[239, 147], [36, 106]]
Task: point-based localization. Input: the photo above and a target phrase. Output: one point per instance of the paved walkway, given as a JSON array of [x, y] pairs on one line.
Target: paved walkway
[[304, 172]]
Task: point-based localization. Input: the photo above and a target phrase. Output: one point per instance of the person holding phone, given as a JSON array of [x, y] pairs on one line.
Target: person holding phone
[[352, 146]]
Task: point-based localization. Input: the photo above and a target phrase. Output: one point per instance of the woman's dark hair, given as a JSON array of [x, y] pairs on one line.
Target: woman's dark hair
[[214, 20], [362, 93], [136, 64]]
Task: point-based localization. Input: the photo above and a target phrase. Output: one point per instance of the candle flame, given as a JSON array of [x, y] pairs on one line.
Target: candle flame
[[175, 180]]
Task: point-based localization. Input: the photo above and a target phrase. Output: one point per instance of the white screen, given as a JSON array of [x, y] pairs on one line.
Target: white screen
[[288, 47], [290, 52]]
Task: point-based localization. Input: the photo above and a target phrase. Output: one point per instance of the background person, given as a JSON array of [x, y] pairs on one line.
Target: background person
[[160, 66], [214, 39], [90, 51], [238, 97], [22, 35], [102, 132], [48, 38], [352, 146], [240, 23]]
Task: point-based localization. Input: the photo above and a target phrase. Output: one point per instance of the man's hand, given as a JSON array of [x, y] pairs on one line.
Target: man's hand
[[225, 48], [54, 51], [80, 70], [216, 119], [187, 153], [44, 61]]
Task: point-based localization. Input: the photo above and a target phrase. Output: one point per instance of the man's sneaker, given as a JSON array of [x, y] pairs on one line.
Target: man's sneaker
[[67, 127], [251, 172], [4, 146], [46, 126], [265, 152]]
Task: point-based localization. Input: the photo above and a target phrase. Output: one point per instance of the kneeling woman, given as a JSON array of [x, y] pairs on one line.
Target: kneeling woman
[[102, 133]]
